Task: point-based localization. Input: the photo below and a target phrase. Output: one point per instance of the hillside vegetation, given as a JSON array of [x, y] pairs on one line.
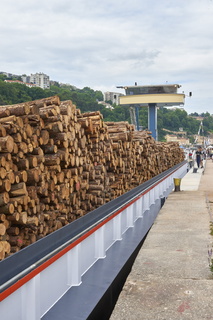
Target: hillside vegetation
[[87, 99]]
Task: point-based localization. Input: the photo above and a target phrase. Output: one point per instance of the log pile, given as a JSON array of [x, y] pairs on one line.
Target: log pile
[[57, 164]]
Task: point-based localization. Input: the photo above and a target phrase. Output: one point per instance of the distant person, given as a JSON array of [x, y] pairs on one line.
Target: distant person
[[202, 158], [207, 153], [198, 154], [191, 159]]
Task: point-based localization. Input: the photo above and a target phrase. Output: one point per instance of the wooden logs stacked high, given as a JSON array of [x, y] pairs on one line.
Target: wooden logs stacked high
[[57, 164], [97, 149]]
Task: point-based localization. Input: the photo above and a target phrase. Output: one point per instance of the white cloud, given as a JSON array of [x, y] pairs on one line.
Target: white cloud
[[102, 44]]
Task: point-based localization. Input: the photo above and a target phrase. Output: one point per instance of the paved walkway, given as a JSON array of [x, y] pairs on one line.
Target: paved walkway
[[171, 278]]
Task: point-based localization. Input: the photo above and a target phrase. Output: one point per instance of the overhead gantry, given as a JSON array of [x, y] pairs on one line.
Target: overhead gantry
[[153, 97]]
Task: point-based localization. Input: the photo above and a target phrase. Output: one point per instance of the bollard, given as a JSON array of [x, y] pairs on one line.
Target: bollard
[[177, 182]]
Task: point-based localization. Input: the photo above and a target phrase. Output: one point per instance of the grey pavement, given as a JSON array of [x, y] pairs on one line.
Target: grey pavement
[[171, 277]]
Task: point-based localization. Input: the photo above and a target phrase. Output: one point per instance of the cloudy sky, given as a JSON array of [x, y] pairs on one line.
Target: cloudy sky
[[104, 44]]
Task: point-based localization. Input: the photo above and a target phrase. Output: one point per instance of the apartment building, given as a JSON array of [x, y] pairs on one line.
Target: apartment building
[[40, 80], [25, 78], [112, 96]]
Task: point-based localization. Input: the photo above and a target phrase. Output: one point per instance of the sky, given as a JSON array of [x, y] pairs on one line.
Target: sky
[[110, 43]]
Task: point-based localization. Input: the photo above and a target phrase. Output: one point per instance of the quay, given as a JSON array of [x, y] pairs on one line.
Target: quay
[[171, 277]]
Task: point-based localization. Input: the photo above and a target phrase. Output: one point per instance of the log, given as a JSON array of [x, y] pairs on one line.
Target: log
[[14, 231], [48, 148], [51, 159], [4, 112], [4, 198], [6, 144], [18, 189], [2, 217], [44, 137], [6, 246], [3, 131], [2, 229], [7, 209], [19, 109], [22, 218], [22, 175], [2, 252], [3, 173], [23, 164], [23, 200], [5, 185], [33, 175], [54, 100], [16, 241], [33, 220], [8, 120]]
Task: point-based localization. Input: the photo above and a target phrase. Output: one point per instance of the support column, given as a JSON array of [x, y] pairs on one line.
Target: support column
[[153, 120], [137, 117]]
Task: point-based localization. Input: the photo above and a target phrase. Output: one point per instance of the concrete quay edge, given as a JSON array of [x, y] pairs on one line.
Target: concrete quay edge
[[171, 277]]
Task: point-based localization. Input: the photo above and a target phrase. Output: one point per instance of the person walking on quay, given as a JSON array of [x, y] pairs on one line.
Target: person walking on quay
[[199, 157]]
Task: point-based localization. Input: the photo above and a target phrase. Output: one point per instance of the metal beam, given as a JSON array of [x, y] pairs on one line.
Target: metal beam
[[159, 99]]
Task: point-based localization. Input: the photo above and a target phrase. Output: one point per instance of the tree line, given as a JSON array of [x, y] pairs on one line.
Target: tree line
[[87, 99]]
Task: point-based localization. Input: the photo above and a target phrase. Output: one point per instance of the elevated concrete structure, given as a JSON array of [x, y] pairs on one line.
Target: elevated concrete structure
[[152, 97], [161, 100]]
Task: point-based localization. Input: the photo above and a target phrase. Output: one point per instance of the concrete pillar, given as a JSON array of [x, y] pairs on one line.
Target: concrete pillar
[[152, 119], [137, 117]]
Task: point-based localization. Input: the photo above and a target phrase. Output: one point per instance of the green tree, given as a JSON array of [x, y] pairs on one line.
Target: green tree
[[3, 77], [87, 99]]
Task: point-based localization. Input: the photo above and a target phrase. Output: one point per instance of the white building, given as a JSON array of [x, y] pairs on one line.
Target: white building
[[30, 85], [40, 80], [25, 78], [112, 96]]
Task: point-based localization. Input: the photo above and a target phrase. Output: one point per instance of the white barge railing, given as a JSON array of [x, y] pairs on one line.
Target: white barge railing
[[52, 278]]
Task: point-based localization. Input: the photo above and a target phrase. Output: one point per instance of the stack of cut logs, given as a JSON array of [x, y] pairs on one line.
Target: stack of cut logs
[[57, 164]]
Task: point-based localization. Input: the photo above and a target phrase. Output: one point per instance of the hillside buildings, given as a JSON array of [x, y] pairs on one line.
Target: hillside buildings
[[30, 85], [112, 96], [40, 79], [181, 140]]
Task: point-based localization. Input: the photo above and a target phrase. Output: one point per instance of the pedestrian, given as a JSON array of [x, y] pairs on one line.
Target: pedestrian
[[207, 153], [198, 157]]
